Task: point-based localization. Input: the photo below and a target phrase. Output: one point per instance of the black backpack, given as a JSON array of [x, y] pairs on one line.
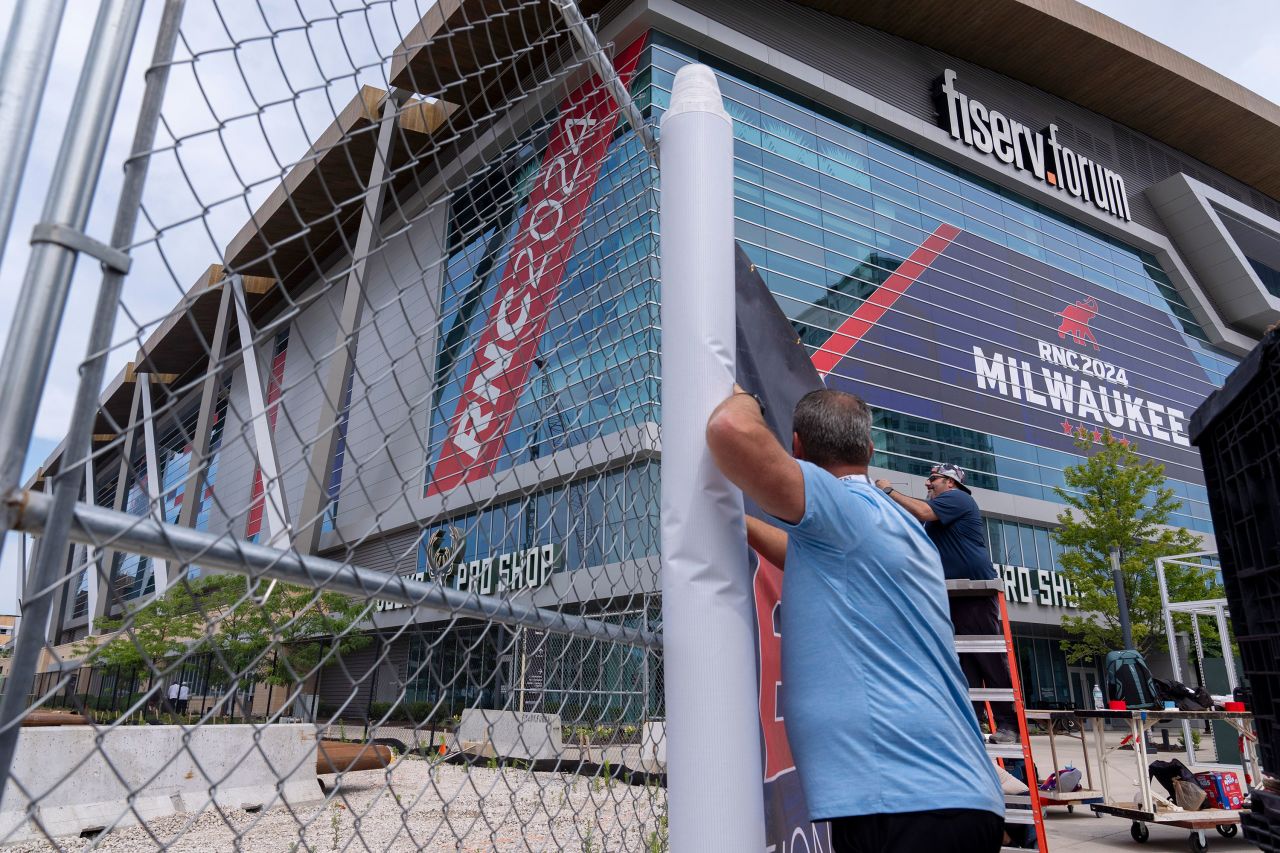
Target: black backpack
[[1186, 698], [1128, 679]]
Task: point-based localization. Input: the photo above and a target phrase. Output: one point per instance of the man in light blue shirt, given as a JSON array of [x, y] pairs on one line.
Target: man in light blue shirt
[[875, 704]]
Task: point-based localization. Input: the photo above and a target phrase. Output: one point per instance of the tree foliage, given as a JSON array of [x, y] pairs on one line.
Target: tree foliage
[[279, 640], [1116, 498]]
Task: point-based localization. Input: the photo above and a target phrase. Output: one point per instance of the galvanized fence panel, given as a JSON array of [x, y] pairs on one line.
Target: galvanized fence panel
[[353, 539]]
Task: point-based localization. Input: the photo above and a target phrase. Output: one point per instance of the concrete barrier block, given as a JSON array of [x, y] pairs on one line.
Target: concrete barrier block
[[80, 786], [512, 734], [653, 742]]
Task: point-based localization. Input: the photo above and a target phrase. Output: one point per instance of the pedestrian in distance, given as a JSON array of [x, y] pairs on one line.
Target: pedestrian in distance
[[184, 696], [953, 521], [172, 696], [876, 711]]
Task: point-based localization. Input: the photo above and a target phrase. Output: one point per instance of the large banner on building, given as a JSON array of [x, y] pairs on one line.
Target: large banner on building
[[969, 333], [549, 227]]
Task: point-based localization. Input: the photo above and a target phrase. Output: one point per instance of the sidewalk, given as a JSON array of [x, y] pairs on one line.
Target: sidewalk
[[1082, 831]]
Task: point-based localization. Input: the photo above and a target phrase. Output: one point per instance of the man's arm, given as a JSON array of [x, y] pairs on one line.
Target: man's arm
[[768, 541], [920, 510], [747, 452]]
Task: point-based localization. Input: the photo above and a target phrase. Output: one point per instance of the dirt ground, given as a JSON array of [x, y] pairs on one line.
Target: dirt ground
[[412, 806]]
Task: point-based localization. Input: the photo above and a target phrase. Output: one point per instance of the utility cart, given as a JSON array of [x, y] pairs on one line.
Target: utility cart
[[1142, 814], [1087, 795]]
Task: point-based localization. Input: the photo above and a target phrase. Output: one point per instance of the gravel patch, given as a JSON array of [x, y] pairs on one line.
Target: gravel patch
[[415, 805]]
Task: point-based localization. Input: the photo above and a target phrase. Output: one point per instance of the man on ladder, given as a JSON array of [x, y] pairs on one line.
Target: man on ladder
[[953, 521]]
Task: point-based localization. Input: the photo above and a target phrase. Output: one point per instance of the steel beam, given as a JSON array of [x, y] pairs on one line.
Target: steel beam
[[129, 435], [155, 496], [93, 554], [196, 479], [315, 493], [274, 513]]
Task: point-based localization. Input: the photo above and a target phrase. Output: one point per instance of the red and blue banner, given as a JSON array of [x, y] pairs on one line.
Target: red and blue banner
[[507, 346], [969, 333]]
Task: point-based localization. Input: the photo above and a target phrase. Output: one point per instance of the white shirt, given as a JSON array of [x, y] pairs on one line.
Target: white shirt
[[173, 691], [184, 693]]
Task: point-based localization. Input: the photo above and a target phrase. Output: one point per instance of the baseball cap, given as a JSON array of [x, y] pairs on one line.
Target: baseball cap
[[954, 473]]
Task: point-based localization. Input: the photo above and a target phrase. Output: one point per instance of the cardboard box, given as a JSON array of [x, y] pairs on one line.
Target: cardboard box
[[1221, 789]]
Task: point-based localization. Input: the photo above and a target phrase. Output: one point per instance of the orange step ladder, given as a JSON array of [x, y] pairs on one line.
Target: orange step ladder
[[1022, 809]]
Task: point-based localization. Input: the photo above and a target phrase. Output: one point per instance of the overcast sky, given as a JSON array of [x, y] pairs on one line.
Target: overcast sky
[[195, 200]]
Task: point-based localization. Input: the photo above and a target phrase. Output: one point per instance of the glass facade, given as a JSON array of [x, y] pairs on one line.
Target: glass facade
[[829, 209], [602, 519], [596, 367]]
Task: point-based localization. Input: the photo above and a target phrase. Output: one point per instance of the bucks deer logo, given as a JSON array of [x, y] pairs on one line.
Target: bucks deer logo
[[445, 548], [1075, 321]]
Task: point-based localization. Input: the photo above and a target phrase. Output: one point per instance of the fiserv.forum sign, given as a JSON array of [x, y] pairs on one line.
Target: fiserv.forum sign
[[1039, 152]]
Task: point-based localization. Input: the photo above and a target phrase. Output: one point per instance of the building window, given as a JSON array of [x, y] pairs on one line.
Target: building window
[[597, 520]]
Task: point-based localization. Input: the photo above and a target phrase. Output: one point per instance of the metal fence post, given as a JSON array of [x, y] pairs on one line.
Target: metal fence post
[[59, 239], [30, 345], [24, 70]]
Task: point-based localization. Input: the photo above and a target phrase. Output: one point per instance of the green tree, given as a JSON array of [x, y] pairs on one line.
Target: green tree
[[1118, 499], [280, 640]]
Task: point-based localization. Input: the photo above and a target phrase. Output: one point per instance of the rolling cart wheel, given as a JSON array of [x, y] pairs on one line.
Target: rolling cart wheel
[[1226, 830], [1139, 831], [1197, 842]]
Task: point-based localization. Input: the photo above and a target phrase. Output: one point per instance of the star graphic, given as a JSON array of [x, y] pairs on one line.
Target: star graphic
[[1124, 441], [1097, 435], [1066, 427]]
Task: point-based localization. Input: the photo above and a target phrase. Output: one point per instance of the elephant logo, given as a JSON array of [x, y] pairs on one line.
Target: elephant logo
[[1075, 321]]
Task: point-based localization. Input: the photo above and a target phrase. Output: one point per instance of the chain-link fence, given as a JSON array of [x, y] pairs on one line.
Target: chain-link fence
[[352, 542]]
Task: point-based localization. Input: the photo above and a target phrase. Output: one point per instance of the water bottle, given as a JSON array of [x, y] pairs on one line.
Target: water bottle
[[1097, 697]]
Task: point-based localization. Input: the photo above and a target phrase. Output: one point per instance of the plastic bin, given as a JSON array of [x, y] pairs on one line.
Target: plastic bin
[[1238, 432], [1261, 823]]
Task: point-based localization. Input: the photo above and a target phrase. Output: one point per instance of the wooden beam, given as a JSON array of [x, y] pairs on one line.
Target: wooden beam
[[131, 371], [424, 117], [217, 273]]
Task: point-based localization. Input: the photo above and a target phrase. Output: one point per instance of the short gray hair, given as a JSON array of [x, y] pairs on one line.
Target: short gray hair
[[834, 428]]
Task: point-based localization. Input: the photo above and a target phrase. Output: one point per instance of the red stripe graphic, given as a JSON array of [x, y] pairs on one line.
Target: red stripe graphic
[[257, 500], [543, 247], [878, 304]]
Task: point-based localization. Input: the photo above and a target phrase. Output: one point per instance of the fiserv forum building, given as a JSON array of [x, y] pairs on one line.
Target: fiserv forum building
[[1079, 228]]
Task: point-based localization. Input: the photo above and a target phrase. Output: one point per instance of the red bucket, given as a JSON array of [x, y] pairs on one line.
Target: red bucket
[[1117, 705]]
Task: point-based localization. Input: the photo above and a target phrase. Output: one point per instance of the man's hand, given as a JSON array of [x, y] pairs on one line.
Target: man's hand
[[746, 451], [919, 510]]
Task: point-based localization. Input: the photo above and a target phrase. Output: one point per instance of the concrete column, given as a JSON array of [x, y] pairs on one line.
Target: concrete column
[[128, 435], [315, 494], [204, 419]]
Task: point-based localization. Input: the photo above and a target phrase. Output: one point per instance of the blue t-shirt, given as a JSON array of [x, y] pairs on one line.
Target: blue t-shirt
[[874, 702], [960, 538]]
